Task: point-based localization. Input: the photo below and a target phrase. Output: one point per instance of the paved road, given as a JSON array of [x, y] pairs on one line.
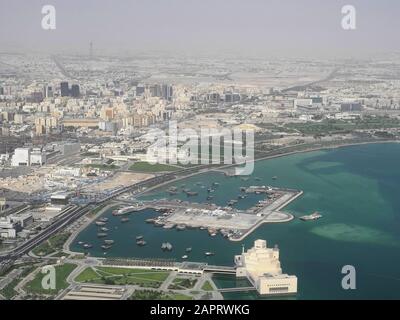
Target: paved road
[[72, 214]]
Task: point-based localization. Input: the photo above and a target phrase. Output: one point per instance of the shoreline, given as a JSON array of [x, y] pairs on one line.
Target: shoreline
[[290, 153], [312, 149], [75, 234]]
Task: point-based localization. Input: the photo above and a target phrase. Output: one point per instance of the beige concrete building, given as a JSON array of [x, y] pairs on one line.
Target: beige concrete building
[[261, 266], [95, 293]]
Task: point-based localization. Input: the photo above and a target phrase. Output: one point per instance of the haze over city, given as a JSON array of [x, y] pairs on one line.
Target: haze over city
[[254, 28]]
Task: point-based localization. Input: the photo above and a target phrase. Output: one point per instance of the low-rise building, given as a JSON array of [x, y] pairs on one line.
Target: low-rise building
[[261, 266], [28, 157], [8, 228]]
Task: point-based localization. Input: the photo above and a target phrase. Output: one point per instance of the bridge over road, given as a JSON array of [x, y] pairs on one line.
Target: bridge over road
[[219, 269], [238, 289]]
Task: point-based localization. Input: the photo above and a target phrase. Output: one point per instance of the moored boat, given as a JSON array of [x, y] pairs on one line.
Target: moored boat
[[191, 193], [180, 227], [141, 242], [166, 246], [124, 211], [314, 216]]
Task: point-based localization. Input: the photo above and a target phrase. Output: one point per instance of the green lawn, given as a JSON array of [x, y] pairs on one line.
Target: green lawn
[[179, 296], [8, 291], [149, 168], [207, 286], [87, 275], [182, 284], [44, 249], [62, 272], [328, 126], [122, 276], [52, 245], [154, 295]]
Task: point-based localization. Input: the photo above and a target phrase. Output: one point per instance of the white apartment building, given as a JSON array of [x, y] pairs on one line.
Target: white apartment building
[[28, 157], [21, 157]]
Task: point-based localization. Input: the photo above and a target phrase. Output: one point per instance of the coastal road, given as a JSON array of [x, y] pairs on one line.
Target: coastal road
[[64, 220], [73, 213]]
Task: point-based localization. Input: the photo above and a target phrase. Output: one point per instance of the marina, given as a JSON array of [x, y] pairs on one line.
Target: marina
[[339, 233], [232, 223]]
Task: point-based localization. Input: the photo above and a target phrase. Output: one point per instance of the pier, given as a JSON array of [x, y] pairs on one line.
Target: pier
[[234, 224]]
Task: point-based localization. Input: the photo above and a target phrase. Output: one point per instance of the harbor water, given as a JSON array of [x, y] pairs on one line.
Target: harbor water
[[354, 188]]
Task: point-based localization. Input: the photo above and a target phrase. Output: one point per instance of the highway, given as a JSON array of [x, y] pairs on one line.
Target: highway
[[73, 213], [66, 217]]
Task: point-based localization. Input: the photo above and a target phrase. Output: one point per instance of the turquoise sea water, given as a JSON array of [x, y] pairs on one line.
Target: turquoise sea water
[[355, 188]]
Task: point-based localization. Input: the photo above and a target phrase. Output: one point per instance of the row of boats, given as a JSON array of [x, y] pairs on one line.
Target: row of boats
[[174, 190], [166, 246]]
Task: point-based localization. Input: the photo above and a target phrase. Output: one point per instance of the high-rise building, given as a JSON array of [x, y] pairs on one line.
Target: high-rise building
[[232, 97], [140, 90], [348, 107], [154, 91], [48, 92], [64, 88], [75, 92], [167, 91], [91, 49], [213, 97], [35, 97]]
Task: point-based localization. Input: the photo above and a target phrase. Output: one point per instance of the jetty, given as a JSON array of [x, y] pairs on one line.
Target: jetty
[[232, 223]]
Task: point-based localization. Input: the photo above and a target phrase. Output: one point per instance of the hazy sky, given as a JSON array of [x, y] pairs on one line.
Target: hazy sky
[[276, 27]]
